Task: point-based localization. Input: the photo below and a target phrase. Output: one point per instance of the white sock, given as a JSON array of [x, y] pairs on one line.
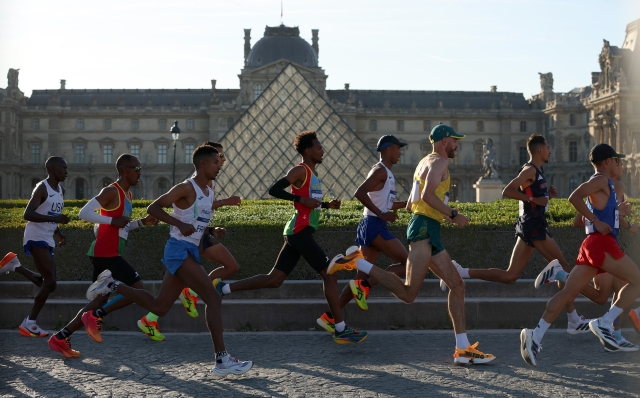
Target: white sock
[[462, 342], [29, 321], [464, 273], [340, 326], [611, 315], [637, 310], [226, 289], [573, 316], [365, 266], [540, 330]]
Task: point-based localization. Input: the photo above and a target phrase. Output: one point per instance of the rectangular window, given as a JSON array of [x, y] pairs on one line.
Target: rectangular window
[[80, 153], [80, 124], [454, 125], [188, 151], [107, 153], [373, 125], [190, 124], [480, 126], [35, 153], [477, 147], [162, 124], [162, 153], [572, 120], [426, 125], [35, 124], [135, 124], [230, 122], [400, 125], [107, 124], [134, 149], [523, 126], [573, 151], [523, 154]]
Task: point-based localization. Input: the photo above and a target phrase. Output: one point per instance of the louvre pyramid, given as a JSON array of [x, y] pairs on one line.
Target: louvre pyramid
[[259, 146]]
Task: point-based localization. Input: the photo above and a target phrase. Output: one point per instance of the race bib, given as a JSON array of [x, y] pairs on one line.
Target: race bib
[[446, 198], [391, 199], [546, 208], [317, 195], [415, 192], [616, 224]]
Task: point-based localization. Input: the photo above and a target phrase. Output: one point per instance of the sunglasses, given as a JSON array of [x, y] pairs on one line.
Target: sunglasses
[[134, 168], [616, 158], [221, 155]]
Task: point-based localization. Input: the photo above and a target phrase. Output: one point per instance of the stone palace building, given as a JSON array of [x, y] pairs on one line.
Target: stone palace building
[[282, 92]]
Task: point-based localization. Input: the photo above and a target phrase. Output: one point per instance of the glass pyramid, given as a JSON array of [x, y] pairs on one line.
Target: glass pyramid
[[259, 146]]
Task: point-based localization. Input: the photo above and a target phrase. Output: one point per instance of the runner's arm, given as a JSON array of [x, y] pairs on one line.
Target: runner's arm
[[584, 190], [37, 198], [294, 177], [379, 176], [523, 180], [106, 199], [156, 209], [433, 178]]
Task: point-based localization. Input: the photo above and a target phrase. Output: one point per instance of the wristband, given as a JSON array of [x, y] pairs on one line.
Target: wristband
[[594, 218], [325, 205], [296, 198]]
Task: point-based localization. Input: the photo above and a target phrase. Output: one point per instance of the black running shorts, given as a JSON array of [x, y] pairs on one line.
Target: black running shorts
[[532, 228], [120, 269], [208, 241], [302, 245]]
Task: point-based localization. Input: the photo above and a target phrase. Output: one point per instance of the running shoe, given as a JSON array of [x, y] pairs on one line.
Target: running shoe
[[9, 263], [604, 333], [580, 327], [100, 286], [230, 365], [471, 355], [360, 293], [327, 322], [443, 286], [635, 320], [625, 345], [349, 336], [346, 262], [93, 326], [31, 329], [63, 346], [189, 302], [529, 349], [548, 274], [219, 284], [151, 329]]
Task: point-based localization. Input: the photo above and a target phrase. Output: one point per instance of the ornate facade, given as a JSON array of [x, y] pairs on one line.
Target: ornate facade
[[91, 127]]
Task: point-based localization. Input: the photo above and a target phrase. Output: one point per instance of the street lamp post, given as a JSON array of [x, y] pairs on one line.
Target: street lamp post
[[175, 134]]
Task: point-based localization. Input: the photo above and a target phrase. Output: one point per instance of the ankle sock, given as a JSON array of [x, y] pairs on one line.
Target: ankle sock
[[29, 322], [365, 283], [226, 289], [562, 276], [63, 333], [611, 315], [151, 317], [340, 326], [540, 330], [617, 334], [220, 355], [573, 316], [462, 341], [99, 313], [363, 265]]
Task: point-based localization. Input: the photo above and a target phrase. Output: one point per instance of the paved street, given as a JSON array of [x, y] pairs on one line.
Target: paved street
[[297, 364]]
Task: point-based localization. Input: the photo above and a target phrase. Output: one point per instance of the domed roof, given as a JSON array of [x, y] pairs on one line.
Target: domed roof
[[282, 42]]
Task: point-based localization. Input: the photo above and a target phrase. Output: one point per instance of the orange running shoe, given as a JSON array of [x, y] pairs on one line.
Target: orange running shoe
[[635, 320], [63, 346], [346, 262], [327, 322], [471, 355], [93, 326], [189, 302], [360, 293], [9, 263]]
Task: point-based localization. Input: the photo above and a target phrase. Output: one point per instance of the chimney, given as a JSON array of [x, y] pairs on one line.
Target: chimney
[[314, 41], [63, 83], [494, 89], [247, 45], [213, 84], [346, 86]]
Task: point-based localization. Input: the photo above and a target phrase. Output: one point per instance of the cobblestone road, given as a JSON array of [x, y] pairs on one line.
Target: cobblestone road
[[396, 363]]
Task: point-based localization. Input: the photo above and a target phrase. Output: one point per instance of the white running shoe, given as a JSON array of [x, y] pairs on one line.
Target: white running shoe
[[9, 263], [625, 345], [580, 327], [100, 286], [529, 349], [30, 329], [604, 333], [548, 274], [230, 365], [443, 286]]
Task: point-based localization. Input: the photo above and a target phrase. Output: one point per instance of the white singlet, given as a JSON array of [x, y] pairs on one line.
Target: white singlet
[[385, 197], [198, 215], [52, 206]]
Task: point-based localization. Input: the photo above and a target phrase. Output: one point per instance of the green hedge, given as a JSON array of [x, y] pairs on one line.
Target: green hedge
[[255, 236]]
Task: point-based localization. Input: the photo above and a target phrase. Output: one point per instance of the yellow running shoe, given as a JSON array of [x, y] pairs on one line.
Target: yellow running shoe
[[327, 323], [471, 355], [150, 329], [189, 302], [360, 293], [346, 262]]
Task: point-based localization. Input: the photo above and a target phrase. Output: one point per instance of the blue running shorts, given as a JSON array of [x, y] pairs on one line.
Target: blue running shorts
[[176, 251], [37, 244], [369, 228]]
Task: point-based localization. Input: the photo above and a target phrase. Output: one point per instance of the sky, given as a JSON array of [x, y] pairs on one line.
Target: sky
[[460, 45]]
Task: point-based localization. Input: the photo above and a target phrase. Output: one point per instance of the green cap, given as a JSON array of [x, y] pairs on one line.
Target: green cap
[[443, 131]]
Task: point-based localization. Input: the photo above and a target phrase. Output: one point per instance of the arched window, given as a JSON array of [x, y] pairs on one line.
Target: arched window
[[257, 91], [106, 182], [80, 187], [573, 184], [137, 191], [163, 186]]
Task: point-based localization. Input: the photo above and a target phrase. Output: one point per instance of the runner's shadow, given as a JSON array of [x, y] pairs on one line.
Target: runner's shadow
[[38, 381]]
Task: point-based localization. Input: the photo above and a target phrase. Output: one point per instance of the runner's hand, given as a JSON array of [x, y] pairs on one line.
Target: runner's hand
[[219, 232], [334, 204], [310, 202], [553, 192], [61, 238], [541, 201], [461, 220], [624, 209], [232, 201], [186, 229], [120, 222], [602, 227], [61, 219], [149, 220], [388, 216]]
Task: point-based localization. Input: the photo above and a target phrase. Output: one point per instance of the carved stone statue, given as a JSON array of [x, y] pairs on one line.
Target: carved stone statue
[[12, 77], [546, 81], [489, 161]]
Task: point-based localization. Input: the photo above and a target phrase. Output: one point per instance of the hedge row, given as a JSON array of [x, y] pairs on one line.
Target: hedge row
[[255, 237]]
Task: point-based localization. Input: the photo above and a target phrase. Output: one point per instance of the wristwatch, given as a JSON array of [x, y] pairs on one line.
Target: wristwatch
[[454, 214]]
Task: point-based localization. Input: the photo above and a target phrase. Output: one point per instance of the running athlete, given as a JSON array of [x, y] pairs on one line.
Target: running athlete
[[306, 195], [428, 203], [532, 230], [191, 201], [43, 214], [378, 195], [114, 204], [212, 250], [598, 253]]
